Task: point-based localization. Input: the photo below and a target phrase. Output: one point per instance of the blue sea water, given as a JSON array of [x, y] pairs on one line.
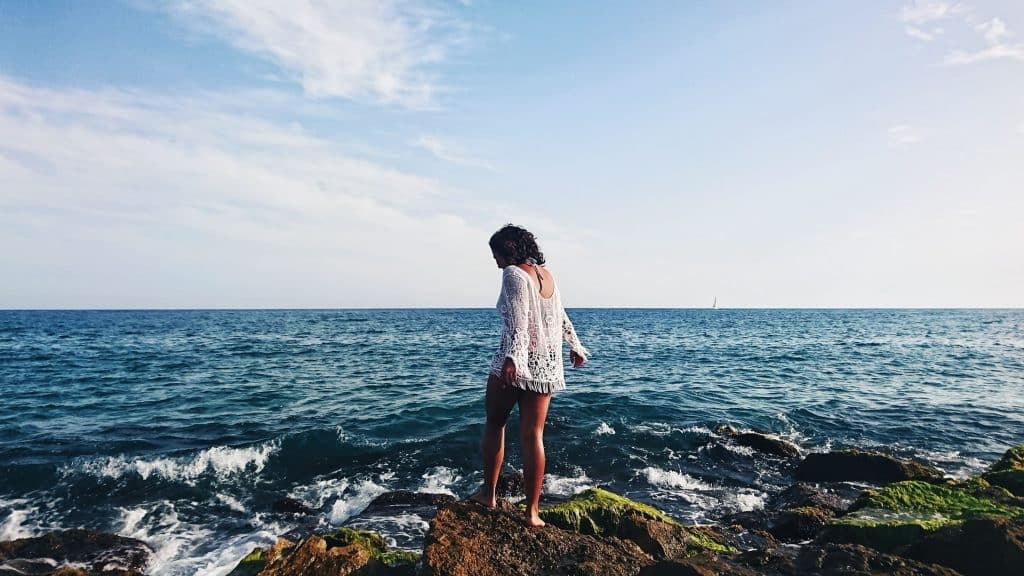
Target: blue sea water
[[183, 427]]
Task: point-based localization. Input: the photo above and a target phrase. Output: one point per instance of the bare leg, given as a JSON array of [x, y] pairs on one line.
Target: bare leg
[[533, 411], [499, 403]]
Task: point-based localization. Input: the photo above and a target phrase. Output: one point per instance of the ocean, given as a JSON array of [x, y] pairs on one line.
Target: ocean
[[182, 428]]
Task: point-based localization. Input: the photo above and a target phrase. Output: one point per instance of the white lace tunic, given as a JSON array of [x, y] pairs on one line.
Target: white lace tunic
[[534, 327]]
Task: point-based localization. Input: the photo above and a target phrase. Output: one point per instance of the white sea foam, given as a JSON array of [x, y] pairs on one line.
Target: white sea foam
[[222, 462], [231, 502], [746, 500], [355, 501], [567, 485], [320, 492], [603, 429], [15, 525], [671, 479], [439, 480]]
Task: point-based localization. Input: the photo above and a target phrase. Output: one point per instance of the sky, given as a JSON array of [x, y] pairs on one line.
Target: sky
[[359, 153]]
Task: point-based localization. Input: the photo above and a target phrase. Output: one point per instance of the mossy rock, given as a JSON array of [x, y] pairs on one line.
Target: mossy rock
[[882, 529], [1012, 460], [251, 565], [599, 512], [904, 512], [1011, 480], [596, 511], [399, 557], [373, 543], [954, 502]]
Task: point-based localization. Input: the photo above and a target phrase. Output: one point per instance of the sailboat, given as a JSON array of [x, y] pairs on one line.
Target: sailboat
[[715, 305]]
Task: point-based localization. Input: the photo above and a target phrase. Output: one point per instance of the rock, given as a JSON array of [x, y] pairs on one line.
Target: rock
[[797, 524], [801, 495], [91, 552], [466, 539], [663, 540], [854, 465], [291, 506], [339, 553], [510, 485], [904, 513], [1008, 472], [409, 498], [979, 547], [836, 560], [704, 565], [760, 442]]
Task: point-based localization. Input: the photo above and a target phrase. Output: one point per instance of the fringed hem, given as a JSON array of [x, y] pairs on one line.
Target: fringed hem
[[534, 386], [539, 387]]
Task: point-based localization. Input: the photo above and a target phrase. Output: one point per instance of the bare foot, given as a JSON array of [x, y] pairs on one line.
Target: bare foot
[[534, 521], [482, 500]]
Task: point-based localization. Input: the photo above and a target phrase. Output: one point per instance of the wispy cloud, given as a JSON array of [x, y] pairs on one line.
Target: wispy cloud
[[997, 52], [447, 152], [113, 172], [919, 34], [903, 135], [994, 30], [374, 50], [922, 12]]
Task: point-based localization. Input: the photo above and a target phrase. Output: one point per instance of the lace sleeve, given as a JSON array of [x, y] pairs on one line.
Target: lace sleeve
[[515, 307], [569, 333]]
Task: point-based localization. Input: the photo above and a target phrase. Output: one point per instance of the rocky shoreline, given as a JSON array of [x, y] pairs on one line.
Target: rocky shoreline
[[911, 522]]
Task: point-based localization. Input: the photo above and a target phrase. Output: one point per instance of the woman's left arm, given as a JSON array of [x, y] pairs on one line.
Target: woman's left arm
[[578, 353]]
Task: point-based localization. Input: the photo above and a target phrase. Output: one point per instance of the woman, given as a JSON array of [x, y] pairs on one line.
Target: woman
[[527, 368]]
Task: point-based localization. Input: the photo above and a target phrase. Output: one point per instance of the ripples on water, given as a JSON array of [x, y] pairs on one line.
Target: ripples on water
[[182, 427]]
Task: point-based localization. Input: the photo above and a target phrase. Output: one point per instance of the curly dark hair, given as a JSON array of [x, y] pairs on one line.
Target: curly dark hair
[[516, 245]]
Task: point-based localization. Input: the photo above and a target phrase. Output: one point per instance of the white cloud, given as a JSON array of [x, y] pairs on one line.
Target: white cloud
[[445, 151], [221, 208], [903, 135], [919, 34], [996, 52], [375, 50], [994, 30], [924, 11]]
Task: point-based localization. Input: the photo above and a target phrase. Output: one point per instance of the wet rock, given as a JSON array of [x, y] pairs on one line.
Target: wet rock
[[510, 485], [760, 442], [1008, 472], [469, 540], [704, 565], [91, 552], [798, 524], [409, 498], [291, 506], [801, 495], [340, 553], [903, 513], [855, 465], [978, 547], [838, 560]]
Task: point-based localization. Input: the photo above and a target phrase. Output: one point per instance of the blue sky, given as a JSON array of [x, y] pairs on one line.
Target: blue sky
[[360, 153]]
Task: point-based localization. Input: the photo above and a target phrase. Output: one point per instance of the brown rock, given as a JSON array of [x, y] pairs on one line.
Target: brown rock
[[839, 560], [99, 552], [662, 540], [311, 557], [761, 442], [855, 465], [980, 547], [468, 540]]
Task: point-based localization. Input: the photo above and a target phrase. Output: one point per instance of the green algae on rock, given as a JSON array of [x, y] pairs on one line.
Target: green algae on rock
[[343, 550], [953, 502], [252, 564], [596, 511], [904, 512], [600, 512], [1008, 472]]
